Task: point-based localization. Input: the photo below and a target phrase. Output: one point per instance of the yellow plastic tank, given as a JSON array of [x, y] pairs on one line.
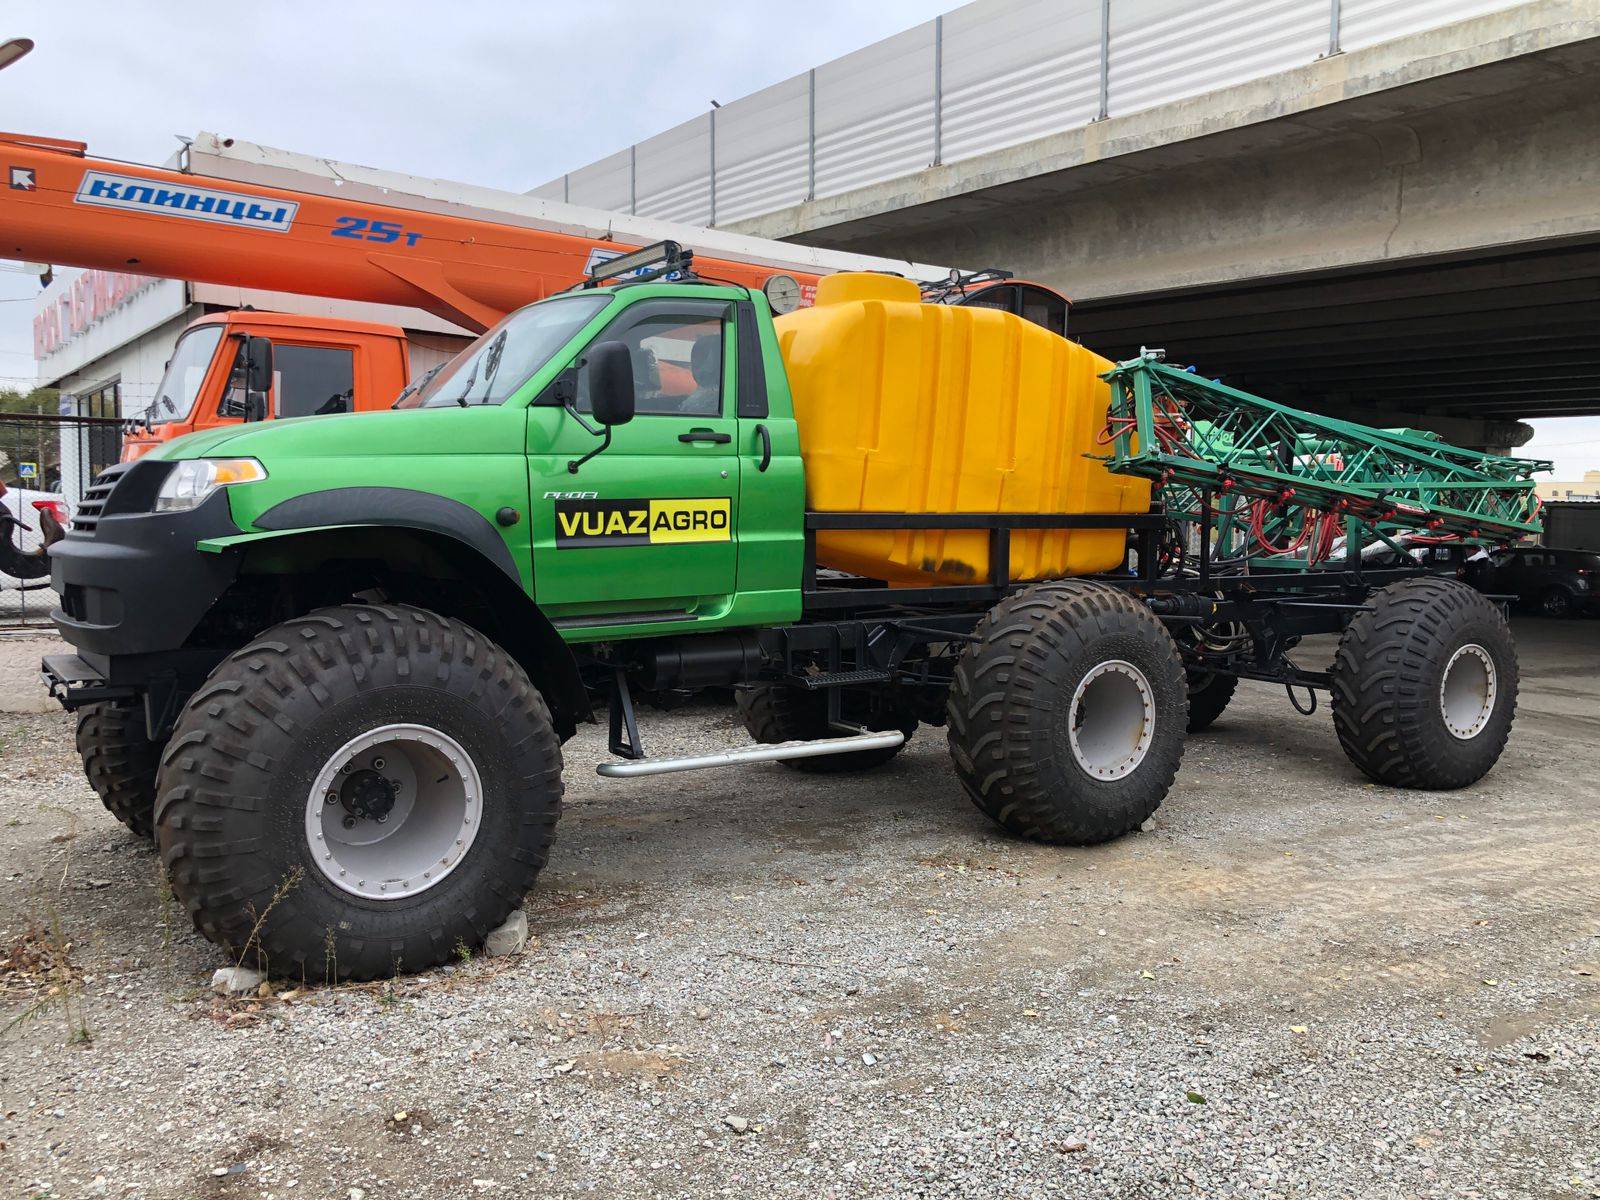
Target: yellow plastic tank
[[911, 407]]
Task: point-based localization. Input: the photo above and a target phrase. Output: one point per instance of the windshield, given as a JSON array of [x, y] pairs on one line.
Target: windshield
[[185, 372], [507, 356]]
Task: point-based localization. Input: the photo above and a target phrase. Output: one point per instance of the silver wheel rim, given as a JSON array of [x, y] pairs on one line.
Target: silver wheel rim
[[1112, 720], [1468, 690], [394, 811]]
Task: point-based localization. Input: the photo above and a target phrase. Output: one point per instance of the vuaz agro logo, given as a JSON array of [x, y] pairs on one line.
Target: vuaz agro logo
[[581, 523], [181, 200]]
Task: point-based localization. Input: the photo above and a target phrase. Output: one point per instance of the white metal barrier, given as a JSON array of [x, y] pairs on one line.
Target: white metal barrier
[[992, 74]]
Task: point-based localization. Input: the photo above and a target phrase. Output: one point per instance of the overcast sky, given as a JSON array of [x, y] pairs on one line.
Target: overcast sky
[[496, 92]]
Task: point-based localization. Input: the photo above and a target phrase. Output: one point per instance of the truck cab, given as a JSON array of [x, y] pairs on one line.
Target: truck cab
[[307, 366]]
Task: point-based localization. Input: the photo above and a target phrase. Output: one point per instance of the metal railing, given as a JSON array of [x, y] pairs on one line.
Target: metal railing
[[47, 462]]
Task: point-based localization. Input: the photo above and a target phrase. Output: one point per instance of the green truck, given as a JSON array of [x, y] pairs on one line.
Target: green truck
[[329, 663]]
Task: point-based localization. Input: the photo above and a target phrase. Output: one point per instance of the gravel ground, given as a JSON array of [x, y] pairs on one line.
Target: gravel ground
[[1297, 984]]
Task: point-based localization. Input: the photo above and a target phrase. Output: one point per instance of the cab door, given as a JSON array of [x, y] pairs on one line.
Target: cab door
[[643, 532]]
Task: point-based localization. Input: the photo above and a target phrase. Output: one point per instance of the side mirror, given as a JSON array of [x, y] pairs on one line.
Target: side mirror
[[250, 382], [257, 365], [611, 394]]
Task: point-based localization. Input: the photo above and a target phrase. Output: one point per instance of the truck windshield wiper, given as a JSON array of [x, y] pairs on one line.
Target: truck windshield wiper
[[418, 385], [472, 378], [497, 350]]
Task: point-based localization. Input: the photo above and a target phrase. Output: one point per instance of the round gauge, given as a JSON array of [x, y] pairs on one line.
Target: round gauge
[[783, 293]]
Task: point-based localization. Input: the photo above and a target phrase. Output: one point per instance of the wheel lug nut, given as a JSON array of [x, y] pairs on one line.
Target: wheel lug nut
[[333, 797], [349, 822], [377, 764]]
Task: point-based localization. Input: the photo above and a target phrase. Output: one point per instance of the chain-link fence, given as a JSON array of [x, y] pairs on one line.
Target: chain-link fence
[[46, 463]]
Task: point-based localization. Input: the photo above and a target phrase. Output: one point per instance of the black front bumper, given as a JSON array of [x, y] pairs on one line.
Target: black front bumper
[[74, 682], [133, 589]]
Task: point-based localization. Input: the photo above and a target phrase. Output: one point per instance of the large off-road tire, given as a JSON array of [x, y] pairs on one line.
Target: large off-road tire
[[361, 791], [1425, 685], [775, 713], [120, 762], [1067, 715], [1208, 697]]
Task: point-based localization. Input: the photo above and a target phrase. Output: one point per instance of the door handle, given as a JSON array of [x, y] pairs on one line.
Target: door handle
[[766, 447], [706, 435]]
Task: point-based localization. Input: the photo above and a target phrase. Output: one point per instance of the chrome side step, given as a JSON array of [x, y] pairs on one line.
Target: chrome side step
[[752, 754]]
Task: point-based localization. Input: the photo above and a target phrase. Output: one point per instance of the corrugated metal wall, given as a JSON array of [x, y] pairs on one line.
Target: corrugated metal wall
[[992, 74], [875, 112], [606, 184], [1162, 51], [1368, 22], [672, 172], [1015, 71], [762, 158]]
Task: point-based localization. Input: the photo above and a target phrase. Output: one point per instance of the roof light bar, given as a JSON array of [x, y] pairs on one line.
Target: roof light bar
[[650, 262]]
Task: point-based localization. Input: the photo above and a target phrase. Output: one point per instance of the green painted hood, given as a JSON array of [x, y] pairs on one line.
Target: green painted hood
[[406, 432]]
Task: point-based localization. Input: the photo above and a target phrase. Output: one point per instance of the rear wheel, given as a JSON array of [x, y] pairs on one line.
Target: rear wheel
[[1208, 697], [120, 762], [776, 713], [1425, 685], [1067, 714], [363, 790]]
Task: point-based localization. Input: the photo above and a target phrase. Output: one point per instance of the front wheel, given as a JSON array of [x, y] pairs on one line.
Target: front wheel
[[1067, 713], [364, 790], [120, 762], [1425, 685]]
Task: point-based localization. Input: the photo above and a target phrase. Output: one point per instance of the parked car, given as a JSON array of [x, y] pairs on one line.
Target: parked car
[[22, 510], [1442, 558], [1557, 582]]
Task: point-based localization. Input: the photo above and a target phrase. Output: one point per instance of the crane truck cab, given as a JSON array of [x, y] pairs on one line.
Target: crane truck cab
[[234, 367]]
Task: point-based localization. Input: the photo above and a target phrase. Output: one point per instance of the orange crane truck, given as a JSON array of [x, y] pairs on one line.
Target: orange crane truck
[[61, 206]]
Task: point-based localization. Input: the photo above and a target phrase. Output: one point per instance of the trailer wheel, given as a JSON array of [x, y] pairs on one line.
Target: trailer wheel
[[120, 762], [1067, 714], [775, 713], [1209, 695], [363, 790], [1425, 685]]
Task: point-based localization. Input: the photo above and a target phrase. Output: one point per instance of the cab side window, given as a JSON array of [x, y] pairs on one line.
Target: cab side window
[[1045, 309], [313, 380], [677, 362]]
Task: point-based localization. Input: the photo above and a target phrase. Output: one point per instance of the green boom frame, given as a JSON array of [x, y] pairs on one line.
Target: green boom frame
[[1277, 483]]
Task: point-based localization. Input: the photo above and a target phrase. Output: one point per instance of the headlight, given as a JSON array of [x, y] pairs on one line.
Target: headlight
[[192, 480]]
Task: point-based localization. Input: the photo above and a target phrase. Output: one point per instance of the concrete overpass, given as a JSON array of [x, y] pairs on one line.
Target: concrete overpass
[[1404, 233]]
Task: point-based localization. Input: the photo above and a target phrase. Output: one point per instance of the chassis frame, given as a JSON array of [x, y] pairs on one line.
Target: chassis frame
[[856, 633]]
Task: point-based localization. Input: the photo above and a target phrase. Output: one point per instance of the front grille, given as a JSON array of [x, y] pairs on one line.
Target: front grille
[[87, 515]]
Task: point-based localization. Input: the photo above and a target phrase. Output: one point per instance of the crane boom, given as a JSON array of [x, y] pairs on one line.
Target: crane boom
[[62, 206]]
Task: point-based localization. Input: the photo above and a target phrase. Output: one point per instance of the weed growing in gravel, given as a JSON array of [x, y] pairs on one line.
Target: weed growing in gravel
[[285, 885], [463, 951], [39, 962]]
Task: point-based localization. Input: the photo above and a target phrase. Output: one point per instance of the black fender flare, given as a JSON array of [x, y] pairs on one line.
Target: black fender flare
[[536, 644], [405, 507]]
